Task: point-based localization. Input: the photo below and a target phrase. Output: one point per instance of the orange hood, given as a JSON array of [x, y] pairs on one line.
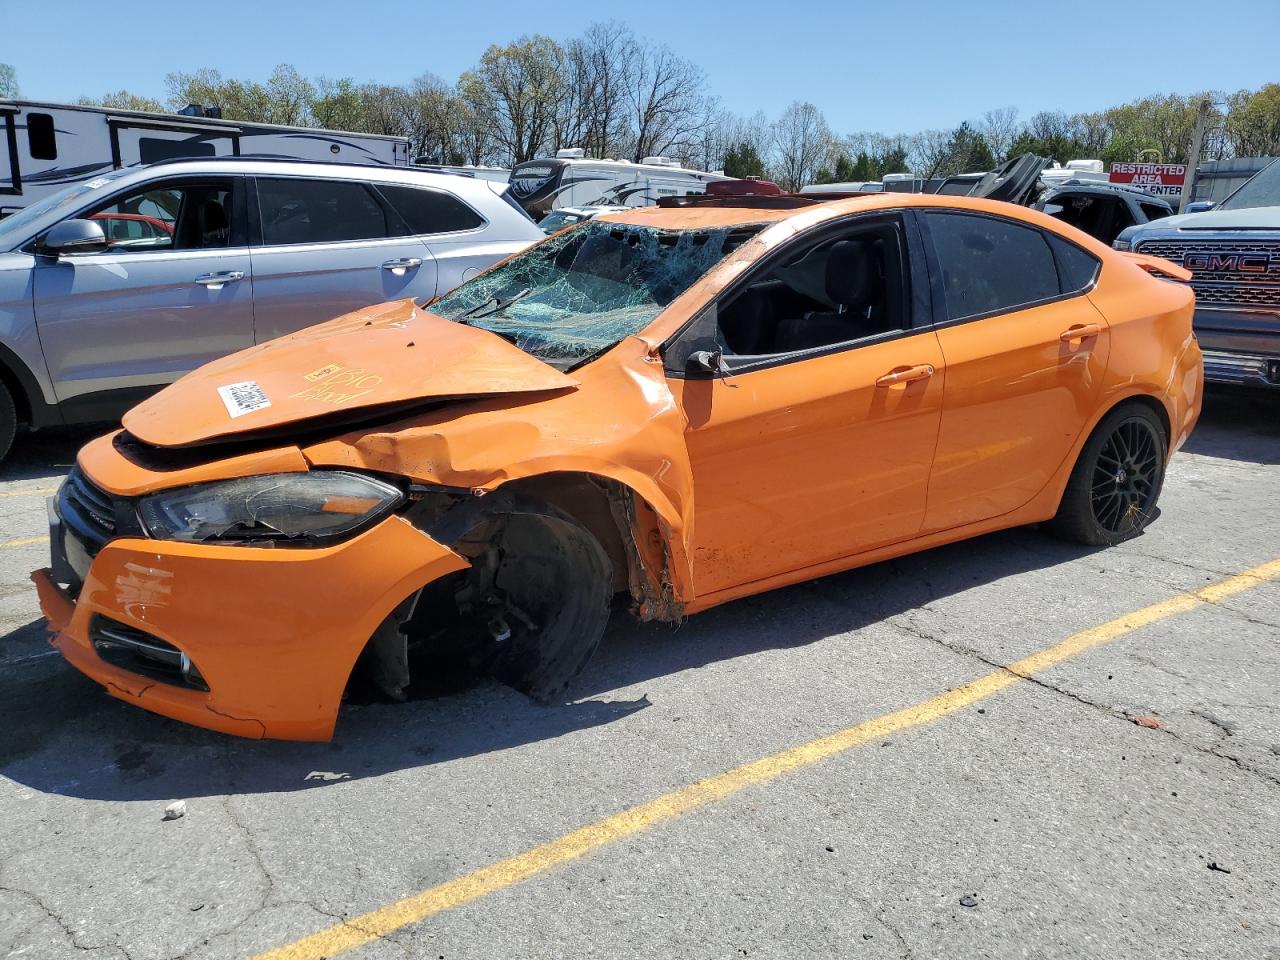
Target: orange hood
[[383, 356]]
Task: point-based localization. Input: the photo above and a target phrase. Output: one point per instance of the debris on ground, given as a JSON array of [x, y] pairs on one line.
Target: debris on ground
[[326, 775], [1214, 865], [175, 810], [968, 900], [1151, 723]]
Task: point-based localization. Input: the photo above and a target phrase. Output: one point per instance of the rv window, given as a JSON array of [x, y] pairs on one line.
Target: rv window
[[155, 149], [319, 211], [40, 137], [430, 211]]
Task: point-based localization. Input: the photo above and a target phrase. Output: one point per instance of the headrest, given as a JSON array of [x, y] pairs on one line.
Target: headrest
[[853, 273]]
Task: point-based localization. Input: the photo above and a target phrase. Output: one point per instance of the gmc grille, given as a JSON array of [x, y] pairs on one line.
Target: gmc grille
[[1216, 270]]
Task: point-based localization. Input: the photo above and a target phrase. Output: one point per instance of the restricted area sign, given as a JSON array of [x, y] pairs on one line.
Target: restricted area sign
[[1160, 179]]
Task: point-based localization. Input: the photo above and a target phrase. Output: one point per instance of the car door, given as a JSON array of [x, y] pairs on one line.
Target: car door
[[461, 240], [157, 302], [325, 247], [1025, 351], [811, 436]]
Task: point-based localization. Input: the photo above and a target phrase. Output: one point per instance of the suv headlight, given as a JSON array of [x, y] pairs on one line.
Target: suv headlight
[[1125, 240], [290, 509]]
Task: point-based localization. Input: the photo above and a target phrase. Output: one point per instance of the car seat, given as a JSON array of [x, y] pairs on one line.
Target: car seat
[[854, 285]]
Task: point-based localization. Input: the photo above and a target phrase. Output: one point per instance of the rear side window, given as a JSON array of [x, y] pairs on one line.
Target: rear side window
[[430, 211], [1077, 269], [990, 265], [1154, 212], [319, 211], [40, 137]]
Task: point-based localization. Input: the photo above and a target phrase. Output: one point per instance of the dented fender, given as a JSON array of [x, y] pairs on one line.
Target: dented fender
[[277, 658]]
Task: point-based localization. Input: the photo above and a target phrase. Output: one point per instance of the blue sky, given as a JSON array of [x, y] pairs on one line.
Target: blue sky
[[888, 66]]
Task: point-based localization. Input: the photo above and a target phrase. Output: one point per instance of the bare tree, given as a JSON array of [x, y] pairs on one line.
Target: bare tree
[[801, 140], [664, 92], [927, 150], [8, 81], [999, 128], [519, 86]]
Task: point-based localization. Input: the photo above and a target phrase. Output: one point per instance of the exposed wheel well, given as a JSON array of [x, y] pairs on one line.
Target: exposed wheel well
[[21, 402]]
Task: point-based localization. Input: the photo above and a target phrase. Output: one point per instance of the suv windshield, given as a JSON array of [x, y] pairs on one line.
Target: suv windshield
[[13, 228], [586, 289], [1262, 191]]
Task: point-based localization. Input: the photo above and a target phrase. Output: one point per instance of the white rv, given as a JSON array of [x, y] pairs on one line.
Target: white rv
[[45, 146], [571, 179]]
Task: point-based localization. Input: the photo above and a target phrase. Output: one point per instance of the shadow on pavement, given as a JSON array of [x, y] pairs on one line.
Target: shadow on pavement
[[61, 734], [49, 453]]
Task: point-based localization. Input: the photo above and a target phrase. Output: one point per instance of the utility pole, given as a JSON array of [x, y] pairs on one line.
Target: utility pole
[[1193, 158]]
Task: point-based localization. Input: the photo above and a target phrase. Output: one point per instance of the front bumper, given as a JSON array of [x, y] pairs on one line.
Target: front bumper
[[274, 633], [1240, 346]]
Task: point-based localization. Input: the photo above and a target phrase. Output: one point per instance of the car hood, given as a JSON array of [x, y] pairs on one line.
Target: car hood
[[387, 356], [1248, 218]]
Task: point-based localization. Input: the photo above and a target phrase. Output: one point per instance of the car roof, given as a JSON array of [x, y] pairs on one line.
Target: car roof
[[269, 166]]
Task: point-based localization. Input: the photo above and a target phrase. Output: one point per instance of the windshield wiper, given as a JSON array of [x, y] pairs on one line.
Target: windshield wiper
[[498, 305]]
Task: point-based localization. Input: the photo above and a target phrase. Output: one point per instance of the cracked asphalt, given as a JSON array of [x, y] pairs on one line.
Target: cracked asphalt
[[1043, 821]]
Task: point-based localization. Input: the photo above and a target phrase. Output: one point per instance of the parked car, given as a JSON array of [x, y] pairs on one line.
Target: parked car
[[682, 405], [562, 217], [1232, 250], [116, 286], [1102, 210]]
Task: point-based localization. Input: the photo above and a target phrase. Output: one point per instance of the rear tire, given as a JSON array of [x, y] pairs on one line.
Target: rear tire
[[1112, 493], [8, 421]]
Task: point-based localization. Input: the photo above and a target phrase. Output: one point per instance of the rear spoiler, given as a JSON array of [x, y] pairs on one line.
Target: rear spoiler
[[1159, 266]]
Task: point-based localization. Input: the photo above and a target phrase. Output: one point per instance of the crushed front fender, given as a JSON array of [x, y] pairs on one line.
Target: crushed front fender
[[274, 633]]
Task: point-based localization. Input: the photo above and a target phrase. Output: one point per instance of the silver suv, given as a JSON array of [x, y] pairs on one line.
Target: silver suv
[[117, 286]]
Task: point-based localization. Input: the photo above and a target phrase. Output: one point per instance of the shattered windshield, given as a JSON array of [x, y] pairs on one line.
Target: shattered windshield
[[586, 289]]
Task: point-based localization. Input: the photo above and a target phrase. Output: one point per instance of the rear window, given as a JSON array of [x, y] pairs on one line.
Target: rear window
[[430, 211], [990, 265], [319, 211]]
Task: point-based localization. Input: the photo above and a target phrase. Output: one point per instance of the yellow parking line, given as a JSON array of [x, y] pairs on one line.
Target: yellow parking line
[[23, 542], [360, 930], [35, 491]]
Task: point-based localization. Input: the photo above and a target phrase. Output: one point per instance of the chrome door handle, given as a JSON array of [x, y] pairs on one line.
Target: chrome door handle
[[402, 265], [216, 281], [921, 371]]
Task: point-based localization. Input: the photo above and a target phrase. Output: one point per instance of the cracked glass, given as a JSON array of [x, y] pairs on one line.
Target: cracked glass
[[584, 290]]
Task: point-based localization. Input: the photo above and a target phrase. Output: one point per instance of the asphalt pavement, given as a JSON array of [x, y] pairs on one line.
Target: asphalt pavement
[[844, 768]]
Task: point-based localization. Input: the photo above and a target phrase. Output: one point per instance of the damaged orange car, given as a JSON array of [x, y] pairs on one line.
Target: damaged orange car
[[672, 407]]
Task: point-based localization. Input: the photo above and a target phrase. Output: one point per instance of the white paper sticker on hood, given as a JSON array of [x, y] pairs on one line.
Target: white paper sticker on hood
[[243, 397]]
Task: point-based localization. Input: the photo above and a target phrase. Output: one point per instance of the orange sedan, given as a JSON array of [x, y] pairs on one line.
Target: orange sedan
[[673, 406]]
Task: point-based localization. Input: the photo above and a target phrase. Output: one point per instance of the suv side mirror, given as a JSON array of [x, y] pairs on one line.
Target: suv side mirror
[[1200, 206], [75, 236]]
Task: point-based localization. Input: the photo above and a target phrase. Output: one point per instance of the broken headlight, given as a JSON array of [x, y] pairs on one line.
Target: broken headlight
[[297, 509]]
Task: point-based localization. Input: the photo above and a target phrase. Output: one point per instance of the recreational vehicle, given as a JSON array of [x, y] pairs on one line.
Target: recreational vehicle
[[571, 179], [46, 146]]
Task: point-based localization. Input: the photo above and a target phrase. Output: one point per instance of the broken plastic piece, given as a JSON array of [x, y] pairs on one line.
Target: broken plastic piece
[[175, 810]]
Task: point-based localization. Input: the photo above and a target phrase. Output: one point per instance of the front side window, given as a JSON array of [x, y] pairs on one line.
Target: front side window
[[990, 265], [584, 290], [195, 216], [319, 211], [430, 211], [844, 289]]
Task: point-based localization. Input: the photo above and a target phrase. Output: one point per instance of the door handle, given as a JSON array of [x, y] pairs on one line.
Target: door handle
[[1079, 331], [402, 265], [921, 371], [216, 281]]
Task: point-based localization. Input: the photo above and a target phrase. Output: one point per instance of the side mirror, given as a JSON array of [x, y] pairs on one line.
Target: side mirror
[[707, 361], [75, 236], [1200, 206]]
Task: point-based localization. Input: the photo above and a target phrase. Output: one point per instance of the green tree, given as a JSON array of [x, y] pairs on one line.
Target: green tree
[[743, 160], [1253, 125], [966, 151], [124, 100]]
